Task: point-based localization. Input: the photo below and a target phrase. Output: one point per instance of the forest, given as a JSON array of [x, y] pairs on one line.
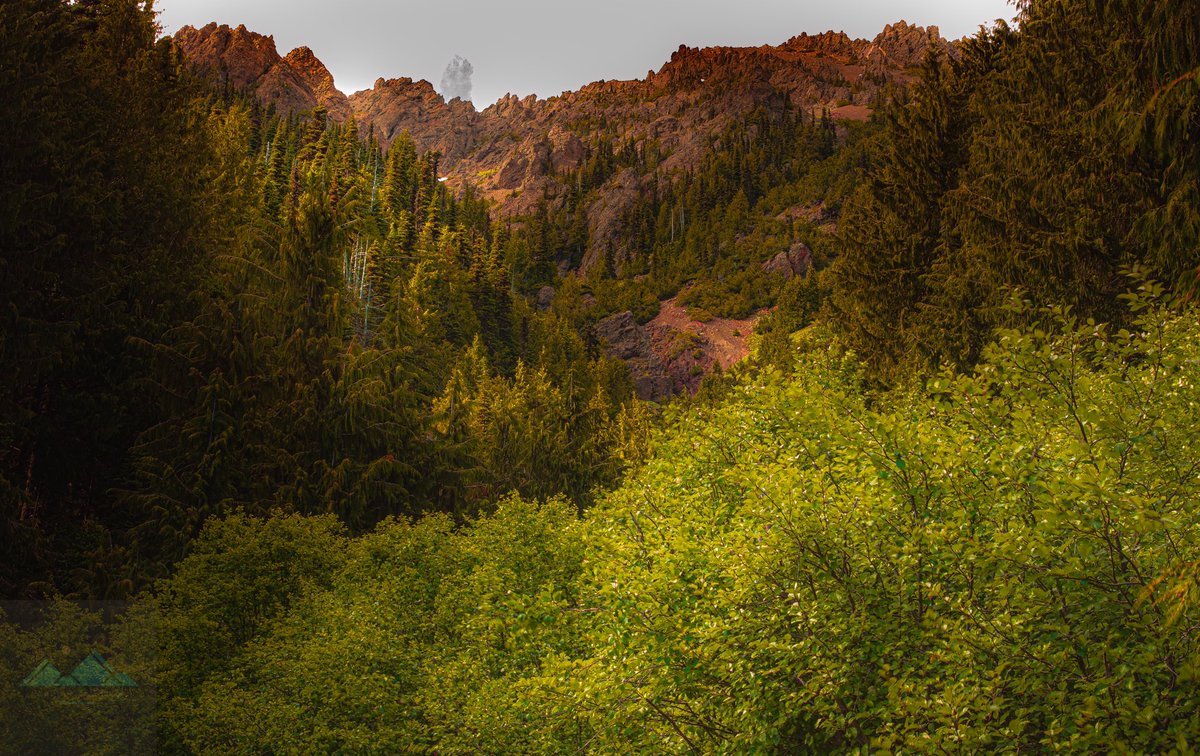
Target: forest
[[300, 410]]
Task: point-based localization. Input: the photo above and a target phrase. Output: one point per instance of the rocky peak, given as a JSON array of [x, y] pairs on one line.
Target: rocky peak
[[320, 81], [902, 44], [407, 87], [397, 105], [241, 57], [513, 109], [247, 60], [827, 43], [399, 97], [518, 150]]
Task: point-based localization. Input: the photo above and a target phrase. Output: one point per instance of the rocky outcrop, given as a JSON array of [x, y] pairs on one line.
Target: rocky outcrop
[[320, 81], [672, 353], [902, 45], [686, 357], [622, 338], [518, 151], [238, 56], [393, 106], [605, 218], [567, 151], [690, 349], [246, 60], [790, 262], [838, 44]]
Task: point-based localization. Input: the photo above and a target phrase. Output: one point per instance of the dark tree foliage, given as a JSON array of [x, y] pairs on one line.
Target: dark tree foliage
[[1048, 159], [212, 307], [104, 219]]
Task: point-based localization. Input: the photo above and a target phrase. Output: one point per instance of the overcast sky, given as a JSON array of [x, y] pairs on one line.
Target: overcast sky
[[548, 46]]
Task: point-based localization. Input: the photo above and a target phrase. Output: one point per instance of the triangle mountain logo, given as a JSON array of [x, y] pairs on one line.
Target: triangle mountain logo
[[93, 672]]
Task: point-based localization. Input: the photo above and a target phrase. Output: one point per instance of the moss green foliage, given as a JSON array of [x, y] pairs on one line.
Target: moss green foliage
[[380, 492], [965, 566], [996, 561], [421, 638]]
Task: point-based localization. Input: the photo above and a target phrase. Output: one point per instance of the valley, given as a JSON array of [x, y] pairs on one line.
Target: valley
[[833, 395], [528, 157]]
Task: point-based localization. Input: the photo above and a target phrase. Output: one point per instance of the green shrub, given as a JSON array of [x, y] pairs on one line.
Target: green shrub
[[969, 566]]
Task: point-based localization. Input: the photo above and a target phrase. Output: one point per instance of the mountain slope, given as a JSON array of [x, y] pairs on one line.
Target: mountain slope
[[521, 144], [529, 157]]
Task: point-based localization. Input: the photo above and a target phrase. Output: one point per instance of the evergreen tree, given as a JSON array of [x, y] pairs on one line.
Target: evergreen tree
[[894, 226], [105, 215]]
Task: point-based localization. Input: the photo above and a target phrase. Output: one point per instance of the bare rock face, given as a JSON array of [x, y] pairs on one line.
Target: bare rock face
[[320, 81], [830, 43], [516, 150], [246, 60], [623, 339], [237, 56], [791, 262], [398, 105], [689, 349], [545, 297], [672, 353], [605, 217], [512, 175], [903, 45], [286, 89], [685, 355], [567, 151], [249, 61]]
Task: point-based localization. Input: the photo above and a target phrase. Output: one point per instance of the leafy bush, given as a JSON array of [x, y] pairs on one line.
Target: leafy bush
[[1004, 560], [966, 566], [421, 640]]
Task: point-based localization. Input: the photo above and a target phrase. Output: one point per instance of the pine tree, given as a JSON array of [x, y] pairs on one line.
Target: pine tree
[[105, 218], [894, 225]]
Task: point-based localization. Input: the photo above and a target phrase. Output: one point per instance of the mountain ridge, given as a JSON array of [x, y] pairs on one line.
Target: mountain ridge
[[900, 44], [513, 149], [522, 152]]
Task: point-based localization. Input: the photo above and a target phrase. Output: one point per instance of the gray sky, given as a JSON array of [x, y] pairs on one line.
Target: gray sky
[[548, 46]]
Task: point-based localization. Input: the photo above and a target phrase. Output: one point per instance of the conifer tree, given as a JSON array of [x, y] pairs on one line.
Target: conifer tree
[[104, 219], [894, 226]]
